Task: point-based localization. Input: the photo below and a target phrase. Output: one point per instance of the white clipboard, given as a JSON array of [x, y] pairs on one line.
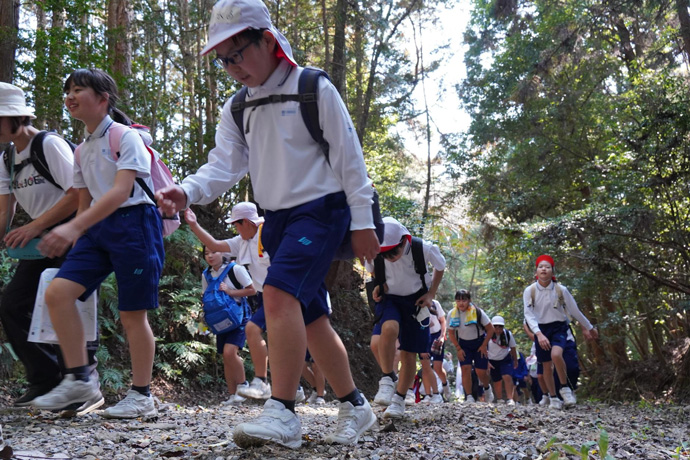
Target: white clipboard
[[41, 329]]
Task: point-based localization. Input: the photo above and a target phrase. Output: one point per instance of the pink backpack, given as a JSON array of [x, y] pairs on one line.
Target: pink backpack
[[160, 174]]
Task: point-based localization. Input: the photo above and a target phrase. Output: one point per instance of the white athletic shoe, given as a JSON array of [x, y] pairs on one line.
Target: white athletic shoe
[[275, 424], [436, 399], [352, 422], [410, 398], [446, 393], [312, 398], [319, 401], [258, 389], [489, 394], [299, 396], [556, 403], [469, 399], [133, 405], [545, 400], [396, 409], [233, 400], [68, 392], [510, 402], [568, 397], [426, 399], [386, 391]]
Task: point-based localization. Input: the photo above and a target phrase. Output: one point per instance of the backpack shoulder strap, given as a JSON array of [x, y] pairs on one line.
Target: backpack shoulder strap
[[237, 108], [233, 278], [307, 87], [379, 272], [207, 275], [38, 158], [559, 293], [533, 293], [418, 258]]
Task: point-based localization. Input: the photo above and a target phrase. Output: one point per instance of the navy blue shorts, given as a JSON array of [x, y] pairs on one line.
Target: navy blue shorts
[[235, 337], [378, 313], [302, 242], [413, 337], [128, 242], [557, 333], [472, 353], [501, 368], [259, 316]]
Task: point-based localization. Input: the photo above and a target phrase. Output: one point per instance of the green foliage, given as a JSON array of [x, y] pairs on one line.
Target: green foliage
[[583, 452]]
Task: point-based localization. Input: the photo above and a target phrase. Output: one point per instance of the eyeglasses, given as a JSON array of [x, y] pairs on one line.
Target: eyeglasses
[[234, 58]]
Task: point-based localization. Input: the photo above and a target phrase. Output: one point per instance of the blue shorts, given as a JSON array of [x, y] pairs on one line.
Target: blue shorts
[[472, 353], [378, 313], [501, 368], [259, 316], [128, 242], [235, 337], [413, 337], [302, 242], [557, 333]]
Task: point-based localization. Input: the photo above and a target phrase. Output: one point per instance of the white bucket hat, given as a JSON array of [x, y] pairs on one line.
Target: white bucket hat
[[13, 102], [230, 17], [245, 210], [392, 234], [498, 321]]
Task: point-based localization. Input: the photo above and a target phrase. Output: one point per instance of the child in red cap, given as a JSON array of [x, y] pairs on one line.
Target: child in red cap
[[548, 304]]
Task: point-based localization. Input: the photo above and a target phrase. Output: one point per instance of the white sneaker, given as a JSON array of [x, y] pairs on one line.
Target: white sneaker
[[69, 391], [426, 399], [556, 403], [436, 399], [233, 400], [299, 396], [469, 399], [352, 422], [311, 400], [410, 398], [396, 409], [568, 397], [545, 400], [386, 391], [319, 401], [133, 405], [258, 389], [489, 394], [510, 402], [446, 393], [275, 424]]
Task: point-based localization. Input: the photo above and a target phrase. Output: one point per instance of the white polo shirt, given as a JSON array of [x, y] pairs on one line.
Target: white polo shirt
[[496, 352], [456, 319], [247, 253]]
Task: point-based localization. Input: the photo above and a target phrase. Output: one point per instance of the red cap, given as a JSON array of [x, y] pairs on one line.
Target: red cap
[[547, 258]]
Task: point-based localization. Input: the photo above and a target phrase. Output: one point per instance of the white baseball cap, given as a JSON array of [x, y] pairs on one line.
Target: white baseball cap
[[230, 17], [13, 102], [393, 232], [498, 321], [245, 210]]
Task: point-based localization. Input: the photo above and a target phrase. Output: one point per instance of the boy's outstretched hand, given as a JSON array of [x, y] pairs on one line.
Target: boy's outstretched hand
[[171, 199], [365, 244]]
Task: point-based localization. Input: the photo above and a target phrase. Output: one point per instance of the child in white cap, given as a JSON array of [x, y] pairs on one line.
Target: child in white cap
[[503, 359], [311, 203], [547, 305], [47, 196], [402, 303]]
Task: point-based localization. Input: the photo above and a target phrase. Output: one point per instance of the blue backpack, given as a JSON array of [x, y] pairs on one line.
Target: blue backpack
[[221, 312]]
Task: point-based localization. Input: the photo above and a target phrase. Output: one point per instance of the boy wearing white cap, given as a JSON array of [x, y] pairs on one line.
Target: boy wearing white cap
[[247, 249], [403, 307], [48, 201], [547, 306], [502, 351], [311, 202]]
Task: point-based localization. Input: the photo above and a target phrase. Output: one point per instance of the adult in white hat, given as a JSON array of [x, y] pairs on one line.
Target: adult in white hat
[[44, 190], [311, 203], [502, 351]]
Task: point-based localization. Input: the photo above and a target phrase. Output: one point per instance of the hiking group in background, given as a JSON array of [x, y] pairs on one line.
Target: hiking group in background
[[319, 207]]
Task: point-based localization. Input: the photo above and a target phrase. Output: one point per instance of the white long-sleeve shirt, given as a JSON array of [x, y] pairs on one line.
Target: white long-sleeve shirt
[[287, 167], [547, 308]]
